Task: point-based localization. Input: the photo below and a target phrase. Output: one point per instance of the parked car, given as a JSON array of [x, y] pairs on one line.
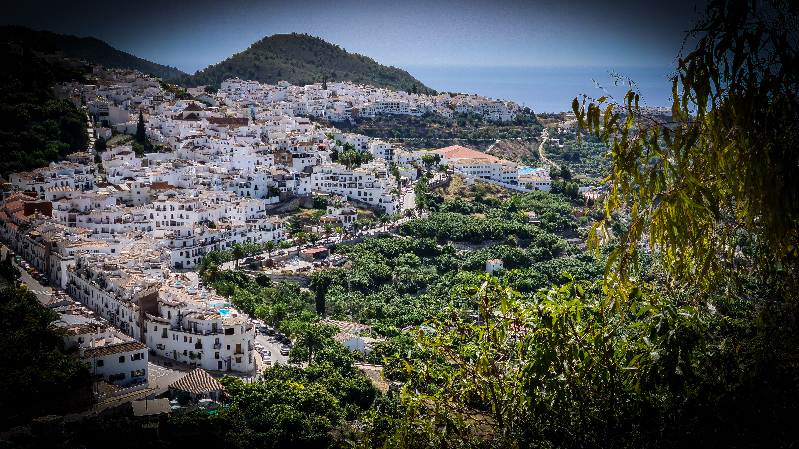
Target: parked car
[[284, 350]]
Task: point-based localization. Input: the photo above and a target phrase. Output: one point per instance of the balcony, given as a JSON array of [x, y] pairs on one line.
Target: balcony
[[217, 345], [198, 345]]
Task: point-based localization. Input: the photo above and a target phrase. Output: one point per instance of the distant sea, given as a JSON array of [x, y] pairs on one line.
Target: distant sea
[[546, 89]]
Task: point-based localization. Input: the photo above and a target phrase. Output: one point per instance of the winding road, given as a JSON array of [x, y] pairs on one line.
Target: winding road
[[544, 158]]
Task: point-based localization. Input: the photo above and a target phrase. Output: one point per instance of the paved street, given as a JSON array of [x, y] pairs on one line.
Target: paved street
[[43, 293], [160, 377], [273, 347], [410, 201]]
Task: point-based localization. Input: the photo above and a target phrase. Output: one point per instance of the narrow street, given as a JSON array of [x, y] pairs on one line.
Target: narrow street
[[43, 292], [273, 347]]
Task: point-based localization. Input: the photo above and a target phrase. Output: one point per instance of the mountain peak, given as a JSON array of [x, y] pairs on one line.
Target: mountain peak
[[301, 59]]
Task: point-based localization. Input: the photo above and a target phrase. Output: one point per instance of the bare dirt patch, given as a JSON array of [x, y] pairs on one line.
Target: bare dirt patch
[[519, 150], [375, 374]]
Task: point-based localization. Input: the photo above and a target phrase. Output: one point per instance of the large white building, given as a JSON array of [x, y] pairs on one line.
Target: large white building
[[479, 165], [201, 329], [172, 318], [369, 183]]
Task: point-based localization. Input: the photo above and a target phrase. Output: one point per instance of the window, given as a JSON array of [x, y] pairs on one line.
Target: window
[[238, 359], [137, 356], [113, 250], [137, 373], [100, 363], [185, 339], [122, 359], [216, 355]]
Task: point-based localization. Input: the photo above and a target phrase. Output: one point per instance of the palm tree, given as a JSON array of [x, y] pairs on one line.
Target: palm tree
[[44, 328], [313, 238], [209, 270]]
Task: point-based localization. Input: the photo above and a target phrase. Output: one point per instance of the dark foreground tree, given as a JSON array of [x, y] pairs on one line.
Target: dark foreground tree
[[716, 189]]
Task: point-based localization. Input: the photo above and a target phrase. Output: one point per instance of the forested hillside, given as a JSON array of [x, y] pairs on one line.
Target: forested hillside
[[301, 59], [88, 48], [436, 131], [35, 127]]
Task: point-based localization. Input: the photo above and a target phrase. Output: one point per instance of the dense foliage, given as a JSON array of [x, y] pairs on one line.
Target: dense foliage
[[35, 127], [35, 372], [392, 283], [436, 130], [714, 189], [562, 369], [296, 405]]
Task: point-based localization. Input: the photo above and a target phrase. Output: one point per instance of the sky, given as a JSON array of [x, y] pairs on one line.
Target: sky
[[192, 35], [540, 53]]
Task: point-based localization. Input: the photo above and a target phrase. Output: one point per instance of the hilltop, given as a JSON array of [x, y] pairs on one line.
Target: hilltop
[[301, 59], [88, 48]]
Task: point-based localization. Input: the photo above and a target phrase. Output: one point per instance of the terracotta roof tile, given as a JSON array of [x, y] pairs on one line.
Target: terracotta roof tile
[[114, 349], [197, 381]]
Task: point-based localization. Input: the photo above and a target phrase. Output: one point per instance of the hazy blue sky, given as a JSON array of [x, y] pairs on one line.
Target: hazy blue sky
[[191, 35]]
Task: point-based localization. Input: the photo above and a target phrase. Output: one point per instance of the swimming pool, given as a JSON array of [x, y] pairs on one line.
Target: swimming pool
[[223, 312], [529, 169]]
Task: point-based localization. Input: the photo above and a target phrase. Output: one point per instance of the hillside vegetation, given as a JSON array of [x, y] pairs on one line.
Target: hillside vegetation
[[36, 128], [301, 59], [436, 131], [88, 48]]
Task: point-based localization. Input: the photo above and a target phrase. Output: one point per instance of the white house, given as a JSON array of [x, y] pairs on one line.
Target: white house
[[115, 360], [493, 265]]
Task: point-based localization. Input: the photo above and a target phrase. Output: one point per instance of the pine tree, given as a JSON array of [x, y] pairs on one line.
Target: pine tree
[[141, 135]]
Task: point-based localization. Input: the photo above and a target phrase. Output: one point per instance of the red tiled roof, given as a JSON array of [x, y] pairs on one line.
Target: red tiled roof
[[459, 152], [314, 250], [114, 349], [196, 382]]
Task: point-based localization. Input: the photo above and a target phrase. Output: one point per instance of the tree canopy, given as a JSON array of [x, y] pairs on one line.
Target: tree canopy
[[714, 190]]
